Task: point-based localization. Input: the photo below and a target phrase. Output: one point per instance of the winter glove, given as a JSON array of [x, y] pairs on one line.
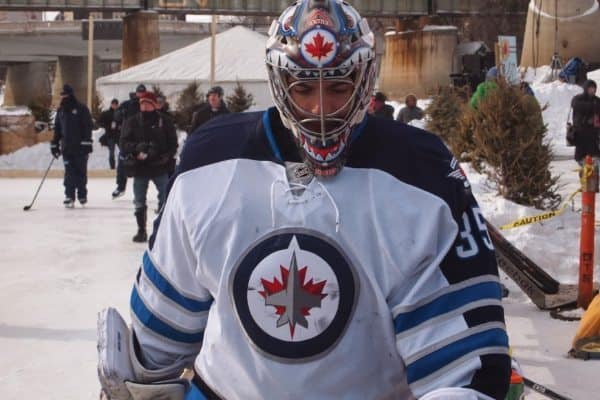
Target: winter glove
[[142, 148], [85, 147], [152, 152], [55, 150]]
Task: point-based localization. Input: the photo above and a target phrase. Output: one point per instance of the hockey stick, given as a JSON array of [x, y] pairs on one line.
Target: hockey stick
[[28, 207], [544, 390]]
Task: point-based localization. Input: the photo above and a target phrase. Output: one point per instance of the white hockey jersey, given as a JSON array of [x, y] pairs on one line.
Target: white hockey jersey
[[367, 285]]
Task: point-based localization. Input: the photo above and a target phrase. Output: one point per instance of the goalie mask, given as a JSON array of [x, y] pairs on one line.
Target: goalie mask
[[321, 62]]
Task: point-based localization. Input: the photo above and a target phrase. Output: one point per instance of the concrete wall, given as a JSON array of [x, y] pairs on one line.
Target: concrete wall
[[578, 32], [417, 61], [141, 41], [25, 82], [73, 70]]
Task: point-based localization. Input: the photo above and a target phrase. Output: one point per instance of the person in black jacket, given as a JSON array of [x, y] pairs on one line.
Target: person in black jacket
[[126, 110], [112, 131], [378, 108], [586, 110], [73, 139], [148, 145], [214, 106]]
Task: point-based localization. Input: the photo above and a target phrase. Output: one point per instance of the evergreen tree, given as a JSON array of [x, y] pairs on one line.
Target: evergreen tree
[[445, 112], [188, 101], [508, 134], [239, 101], [40, 107]]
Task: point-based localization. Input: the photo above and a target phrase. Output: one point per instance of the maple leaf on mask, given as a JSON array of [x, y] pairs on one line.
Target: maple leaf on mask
[[319, 48]]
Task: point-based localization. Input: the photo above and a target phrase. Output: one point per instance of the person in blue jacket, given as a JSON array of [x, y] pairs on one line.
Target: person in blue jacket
[[73, 139]]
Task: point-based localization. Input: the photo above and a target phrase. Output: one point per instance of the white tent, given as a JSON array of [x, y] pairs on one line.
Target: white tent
[[595, 76], [239, 57]]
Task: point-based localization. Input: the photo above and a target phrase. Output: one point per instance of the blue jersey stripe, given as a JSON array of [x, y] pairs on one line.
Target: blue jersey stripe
[[169, 291], [145, 316], [269, 133], [438, 359], [446, 303]]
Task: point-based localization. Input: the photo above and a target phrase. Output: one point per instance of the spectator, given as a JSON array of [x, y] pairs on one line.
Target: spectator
[[378, 108], [73, 139], [485, 87], [112, 131], [148, 145], [586, 112], [127, 109], [410, 111], [214, 106]]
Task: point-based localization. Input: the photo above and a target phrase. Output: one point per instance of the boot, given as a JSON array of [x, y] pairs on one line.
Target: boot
[[69, 202], [140, 216]]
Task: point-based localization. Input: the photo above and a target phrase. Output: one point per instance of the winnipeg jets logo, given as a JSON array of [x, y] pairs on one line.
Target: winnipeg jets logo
[[318, 47], [294, 293], [292, 297]]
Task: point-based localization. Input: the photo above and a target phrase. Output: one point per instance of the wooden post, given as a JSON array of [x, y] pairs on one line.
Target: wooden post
[[586, 247], [213, 49], [90, 68]]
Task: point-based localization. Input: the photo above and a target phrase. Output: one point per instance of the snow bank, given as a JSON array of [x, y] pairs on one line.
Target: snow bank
[[556, 96], [18, 110], [38, 157], [552, 244]]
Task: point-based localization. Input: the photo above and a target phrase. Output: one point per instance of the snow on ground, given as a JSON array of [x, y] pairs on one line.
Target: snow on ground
[[13, 110], [556, 97], [38, 157]]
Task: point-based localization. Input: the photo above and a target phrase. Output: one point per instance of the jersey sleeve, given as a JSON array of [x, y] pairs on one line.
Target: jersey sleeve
[[448, 316], [169, 305]]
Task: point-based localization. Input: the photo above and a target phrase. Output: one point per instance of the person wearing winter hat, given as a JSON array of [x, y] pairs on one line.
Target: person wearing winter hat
[[586, 122], [484, 88], [73, 139], [378, 108], [312, 251], [213, 107], [126, 110], [112, 131], [148, 147]]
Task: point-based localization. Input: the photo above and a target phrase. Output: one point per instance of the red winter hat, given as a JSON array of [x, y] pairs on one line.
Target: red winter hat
[[149, 97]]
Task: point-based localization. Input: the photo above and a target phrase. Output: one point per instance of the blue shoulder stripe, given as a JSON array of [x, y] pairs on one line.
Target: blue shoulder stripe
[[447, 303], [169, 291], [438, 359], [145, 316]]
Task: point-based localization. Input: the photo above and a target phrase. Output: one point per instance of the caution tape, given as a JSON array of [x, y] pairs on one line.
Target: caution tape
[[540, 217]]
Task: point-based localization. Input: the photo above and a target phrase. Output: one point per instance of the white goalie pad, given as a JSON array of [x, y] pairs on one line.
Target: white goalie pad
[[114, 364], [122, 376]]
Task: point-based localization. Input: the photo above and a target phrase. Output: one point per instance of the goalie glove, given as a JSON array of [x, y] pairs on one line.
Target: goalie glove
[[122, 376]]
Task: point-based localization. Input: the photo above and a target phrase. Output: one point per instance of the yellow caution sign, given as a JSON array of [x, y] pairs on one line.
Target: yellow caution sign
[[540, 217]]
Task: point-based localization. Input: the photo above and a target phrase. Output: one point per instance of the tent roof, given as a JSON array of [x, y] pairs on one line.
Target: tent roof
[[239, 56]]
